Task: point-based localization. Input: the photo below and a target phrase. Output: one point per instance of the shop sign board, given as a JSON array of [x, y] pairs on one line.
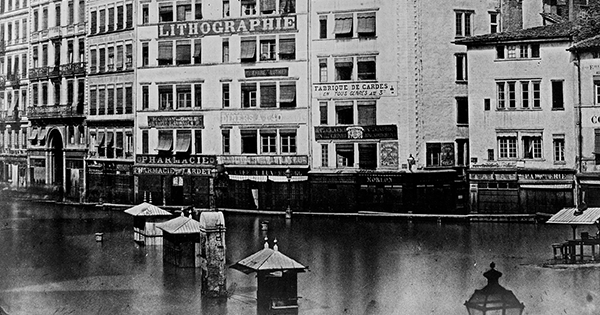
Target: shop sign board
[[150, 159], [245, 117], [355, 90], [268, 24], [180, 122], [266, 72], [180, 171], [493, 176], [264, 172], [546, 176], [263, 160], [356, 132]]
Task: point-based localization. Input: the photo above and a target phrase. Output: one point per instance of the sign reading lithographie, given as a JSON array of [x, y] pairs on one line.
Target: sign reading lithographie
[[262, 117], [354, 90], [355, 132], [231, 26], [493, 176], [546, 176], [148, 170], [264, 160], [176, 122], [267, 72], [148, 159], [389, 154]]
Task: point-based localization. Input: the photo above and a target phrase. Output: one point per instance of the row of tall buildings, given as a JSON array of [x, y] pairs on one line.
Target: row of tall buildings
[[423, 106]]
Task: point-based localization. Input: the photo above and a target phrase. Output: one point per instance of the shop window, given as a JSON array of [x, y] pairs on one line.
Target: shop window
[[366, 68], [287, 95], [268, 141], [184, 96], [322, 70], [249, 141], [165, 13], [287, 48], [225, 141], [507, 147], [165, 141], [324, 155], [462, 110], [225, 95], [248, 7], [343, 26], [343, 69], [366, 24], [532, 147], [367, 156], [323, 113], [344, 155], [268, 95], [323, 26], [248, 50], [183, 52], [288, 141], [165, 53], [248, 95], [557, 95], [183, 142], [344, 112], [558, 144], [267, 49], [184, 12], [367, 113], [165, 97]]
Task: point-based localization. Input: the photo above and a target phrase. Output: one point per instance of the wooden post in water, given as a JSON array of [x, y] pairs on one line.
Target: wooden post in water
[[212, 252]]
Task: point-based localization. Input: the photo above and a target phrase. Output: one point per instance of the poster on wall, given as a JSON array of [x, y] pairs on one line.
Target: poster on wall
[[389, 154], [447, 155]]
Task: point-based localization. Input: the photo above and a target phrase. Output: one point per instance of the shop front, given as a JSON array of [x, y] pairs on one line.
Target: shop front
[[14, 165], [546, 191], [107, 181]]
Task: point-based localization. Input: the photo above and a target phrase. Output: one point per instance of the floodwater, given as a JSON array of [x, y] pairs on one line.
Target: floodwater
[[50, 263]]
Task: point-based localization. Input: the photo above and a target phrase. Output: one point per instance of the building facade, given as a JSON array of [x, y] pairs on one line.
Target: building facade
[[111, 95]]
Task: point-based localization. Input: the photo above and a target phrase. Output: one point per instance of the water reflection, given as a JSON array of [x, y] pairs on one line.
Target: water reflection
[[52, 264]]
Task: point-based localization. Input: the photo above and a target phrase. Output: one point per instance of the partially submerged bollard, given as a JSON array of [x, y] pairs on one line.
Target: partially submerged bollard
[[264, 225], [99, 237]]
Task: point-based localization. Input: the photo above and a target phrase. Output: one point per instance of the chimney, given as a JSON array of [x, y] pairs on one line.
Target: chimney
[[512, 15]]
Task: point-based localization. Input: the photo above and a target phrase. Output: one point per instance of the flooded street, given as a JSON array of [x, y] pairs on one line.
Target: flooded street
[[51, 264]]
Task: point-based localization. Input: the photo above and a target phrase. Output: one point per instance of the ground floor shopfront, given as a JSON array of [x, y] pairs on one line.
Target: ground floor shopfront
[[513, 190], [109, 181], [14, 169], [590, 188]]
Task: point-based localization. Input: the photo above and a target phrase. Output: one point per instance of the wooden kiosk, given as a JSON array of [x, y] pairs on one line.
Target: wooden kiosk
[[583, 247], [277, 275], [181, 241], [145, 218]]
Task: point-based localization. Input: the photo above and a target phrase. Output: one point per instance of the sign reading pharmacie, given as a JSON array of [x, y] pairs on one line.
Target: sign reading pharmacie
[[181, 122], [356, 132], [192, 160], [263, 160], [355, 90], [229, 26]]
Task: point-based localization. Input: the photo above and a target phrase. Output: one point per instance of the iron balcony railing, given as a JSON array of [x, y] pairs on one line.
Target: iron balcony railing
[[54, 111]]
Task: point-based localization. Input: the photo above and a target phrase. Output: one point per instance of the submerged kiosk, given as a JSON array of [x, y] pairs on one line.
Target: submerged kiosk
[[145, 218]]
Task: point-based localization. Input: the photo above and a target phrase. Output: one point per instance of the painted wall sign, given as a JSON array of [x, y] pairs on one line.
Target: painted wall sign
[[264, 172], [149, 159], [148, 170], [230, 26], [493, 176], [546, 176], [176, 121], [263, 160], [355, 90], [244, 117], [495, 165], [389, 154], [266, 72], [366, 177], [354, 132]]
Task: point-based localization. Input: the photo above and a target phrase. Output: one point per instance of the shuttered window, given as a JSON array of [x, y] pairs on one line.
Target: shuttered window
[[248, 50], [343, 25], [268, 95], [165, 53], [366, 24], [287, 95]]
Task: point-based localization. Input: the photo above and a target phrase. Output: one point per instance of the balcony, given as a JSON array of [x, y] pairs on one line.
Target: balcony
[[58, 111], [54, 32], [72, 69], [38, 73], [53, 72], [14, 79], [11, 151]]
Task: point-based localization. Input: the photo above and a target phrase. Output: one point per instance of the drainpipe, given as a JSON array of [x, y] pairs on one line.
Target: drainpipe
[[579, 130]]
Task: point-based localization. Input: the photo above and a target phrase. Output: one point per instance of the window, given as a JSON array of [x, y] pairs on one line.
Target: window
[[145, 142], [165, 13], [366, 68], [367, 113], [463, 23], [248, 50], [198, 10], [268, 94], [225, 94], [111, 19], [558, 144], [525, 94], [198, 141], [287, 6], [225, 139], [597, 146], [145, 97], [248, 95], [344, 112], [101, 20], [288, 141], [434, 152], [184, 96], [343, 69], [461, 67], [81, 11], [486, 104], [45, 18], [367, 156], [225, 50], [128, 56], [183, 52], [93, 100], [165, 53], [145, 53], [268, 141], [523, 51], [344, 154], [101, 100], [129, 9], [597, 91], [557, 95], [198, 95], [102, 59], [500, 87], [287, 48], [248, 7], [343, 26], [500, 52], [165, 140], [511, 51], [366, 24], [36, 26], [249, 141], [267, 6], [287, 95], [120, 104], [165, 97], [490, 154], [322, 70], [494, 27], [532, 147], [145, 14], [120, 15], [535, 50], [462, 110], [324, 155], [323, 112], [267, 49], [70, 92], [119, 65], [323, 26], [507, 147], [226, 12], [184, 12], [183, 142]]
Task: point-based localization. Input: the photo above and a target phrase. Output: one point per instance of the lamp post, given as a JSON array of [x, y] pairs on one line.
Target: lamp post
[[288, 211], [493, 298]]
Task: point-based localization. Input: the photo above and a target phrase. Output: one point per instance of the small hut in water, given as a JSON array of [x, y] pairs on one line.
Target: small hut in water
[[277, 275], [181, 241], [145, 218]]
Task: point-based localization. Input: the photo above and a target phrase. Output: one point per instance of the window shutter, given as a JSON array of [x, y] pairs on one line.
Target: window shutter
[[184, 141], [184, 51], [165, 50], [343, 24], [366, 23], [248, 49], [287, 93], [268, 95], [287, 46]]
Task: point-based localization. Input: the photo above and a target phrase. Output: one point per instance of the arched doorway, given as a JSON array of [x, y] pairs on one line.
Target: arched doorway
[[55, 158]]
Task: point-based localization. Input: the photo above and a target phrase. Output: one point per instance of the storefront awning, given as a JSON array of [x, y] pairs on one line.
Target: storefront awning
[[284, 179], [254, 178], [184, 142], [573, 217], [33, 134], [265, 178], [42, 134]]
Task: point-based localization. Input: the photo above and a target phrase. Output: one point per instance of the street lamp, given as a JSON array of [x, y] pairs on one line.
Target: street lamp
[[494, 299], [288, 211]]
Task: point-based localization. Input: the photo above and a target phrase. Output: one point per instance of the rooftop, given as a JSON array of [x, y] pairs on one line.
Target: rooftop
[[146, 209], [554, 31], [586, 44], [180, 225], [268, 259]]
